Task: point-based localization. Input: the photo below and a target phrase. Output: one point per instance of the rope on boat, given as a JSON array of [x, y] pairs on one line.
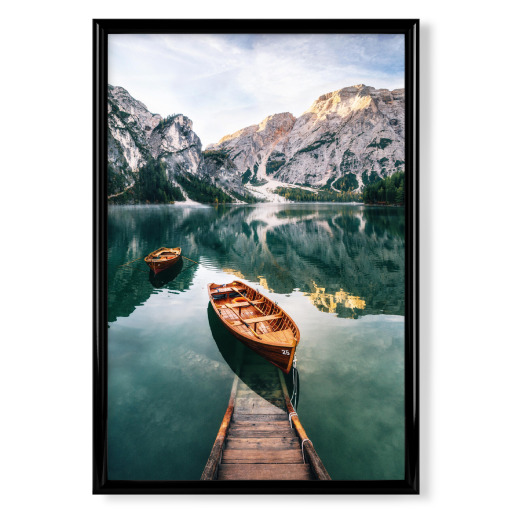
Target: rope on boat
[[290, 417], [295, 377], [294, 405], [302, 447], [293, 398]]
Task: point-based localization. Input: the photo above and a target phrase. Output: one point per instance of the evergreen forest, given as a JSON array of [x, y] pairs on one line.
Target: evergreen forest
[[301, 195], [152, 186], [389, 190]]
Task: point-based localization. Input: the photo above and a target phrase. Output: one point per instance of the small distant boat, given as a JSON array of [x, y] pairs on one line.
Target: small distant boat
[[163, 258], [256, 321]]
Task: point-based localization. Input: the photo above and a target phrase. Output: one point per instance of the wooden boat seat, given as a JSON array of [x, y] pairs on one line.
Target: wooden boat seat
[[244, 304], [227, 289], [236, 323], [262, 318]]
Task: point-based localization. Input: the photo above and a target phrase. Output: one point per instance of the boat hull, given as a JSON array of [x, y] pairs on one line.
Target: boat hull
[[160, 267], [159, 263], [276, 344], [282, 357]]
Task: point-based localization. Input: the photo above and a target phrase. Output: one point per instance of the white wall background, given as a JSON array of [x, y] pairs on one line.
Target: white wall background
[[46, 207]]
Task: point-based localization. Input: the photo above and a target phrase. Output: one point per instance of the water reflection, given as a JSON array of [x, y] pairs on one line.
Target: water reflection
[[349, 260], [131, 286], [322, 263], [348, 306], [232, 350], [166, 276], [256, 372]]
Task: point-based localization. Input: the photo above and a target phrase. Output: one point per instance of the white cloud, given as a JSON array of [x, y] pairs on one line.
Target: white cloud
[[226, 82]]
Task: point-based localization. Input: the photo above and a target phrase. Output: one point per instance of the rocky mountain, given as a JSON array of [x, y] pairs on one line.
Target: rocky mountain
[[258, 144], [137, 137], [345, 140]]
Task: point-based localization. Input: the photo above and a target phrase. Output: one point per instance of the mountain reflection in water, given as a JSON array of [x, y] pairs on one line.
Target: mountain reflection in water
[[349, 260]]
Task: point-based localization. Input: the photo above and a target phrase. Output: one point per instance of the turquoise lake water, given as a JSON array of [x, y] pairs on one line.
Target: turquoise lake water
[[338, 270]]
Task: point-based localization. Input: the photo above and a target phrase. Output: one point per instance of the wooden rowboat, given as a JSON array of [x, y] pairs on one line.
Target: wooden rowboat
[[163, 258], [256, 321]]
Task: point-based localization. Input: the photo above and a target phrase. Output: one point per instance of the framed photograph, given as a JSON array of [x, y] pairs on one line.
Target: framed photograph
[[256, 256]]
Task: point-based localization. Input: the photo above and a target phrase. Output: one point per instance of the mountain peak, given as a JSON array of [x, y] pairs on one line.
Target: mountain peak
[[269, 125], [347, 139], [274, 120], [348, 100]]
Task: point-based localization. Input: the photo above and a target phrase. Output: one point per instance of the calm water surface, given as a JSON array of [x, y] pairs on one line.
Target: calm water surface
[[338, 270]]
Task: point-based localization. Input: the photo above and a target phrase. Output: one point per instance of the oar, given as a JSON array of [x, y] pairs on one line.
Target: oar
[[138, 270], [130, 262], [191, 260], [137, 259], [253, 305], [243, 321]]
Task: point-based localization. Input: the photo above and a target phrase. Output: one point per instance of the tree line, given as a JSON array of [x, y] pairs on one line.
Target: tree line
[[301, 195], [390, 190], [151, 185], [202, 191]]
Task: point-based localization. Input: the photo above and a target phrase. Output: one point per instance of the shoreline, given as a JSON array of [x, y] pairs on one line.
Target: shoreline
[[197, 204]]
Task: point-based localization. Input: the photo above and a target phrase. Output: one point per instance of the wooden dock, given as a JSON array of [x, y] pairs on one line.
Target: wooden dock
[[261, 437]]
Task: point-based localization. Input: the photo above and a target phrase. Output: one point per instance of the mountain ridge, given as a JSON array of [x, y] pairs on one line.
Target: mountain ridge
[[350, 137], [345, 140]]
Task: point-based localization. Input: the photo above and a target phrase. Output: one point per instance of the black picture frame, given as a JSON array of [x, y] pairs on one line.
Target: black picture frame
[[101, 30]]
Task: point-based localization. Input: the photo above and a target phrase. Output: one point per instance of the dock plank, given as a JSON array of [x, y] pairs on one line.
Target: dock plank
[[260, 442], [266, 394], [259, 417], [261, 425], [259, 384], [259, 406], [264, 472], [262, 456], [261, 433], [266, 443]]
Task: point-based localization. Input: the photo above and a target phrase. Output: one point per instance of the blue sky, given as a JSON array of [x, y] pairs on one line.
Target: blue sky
[[225, 82]]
